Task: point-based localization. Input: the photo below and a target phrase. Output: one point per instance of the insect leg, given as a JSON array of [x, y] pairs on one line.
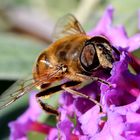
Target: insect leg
[[101, 80], [46, 94], [68, 89], [47, 107], [94, 79]]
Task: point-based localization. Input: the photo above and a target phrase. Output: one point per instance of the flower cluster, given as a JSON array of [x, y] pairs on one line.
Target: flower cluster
[[119, 116]]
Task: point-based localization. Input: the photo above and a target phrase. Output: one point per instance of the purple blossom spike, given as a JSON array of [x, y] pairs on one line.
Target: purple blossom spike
[[118, 117], [28, 122]]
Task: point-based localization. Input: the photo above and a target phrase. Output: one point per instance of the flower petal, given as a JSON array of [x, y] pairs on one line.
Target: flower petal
[[89, 124], [23, 124], [134, 42]]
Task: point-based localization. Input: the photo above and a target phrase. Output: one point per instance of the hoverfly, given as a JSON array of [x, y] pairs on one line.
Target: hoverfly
[[73, 56]]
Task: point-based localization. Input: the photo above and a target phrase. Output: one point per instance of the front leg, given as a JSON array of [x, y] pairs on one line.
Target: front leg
[[47, 108], [92, 78], [50, 91], [71, 91]]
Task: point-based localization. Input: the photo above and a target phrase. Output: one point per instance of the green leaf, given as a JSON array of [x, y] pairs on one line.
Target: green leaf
[[57, 9], [126, 13], [36, 136], [17, 55]]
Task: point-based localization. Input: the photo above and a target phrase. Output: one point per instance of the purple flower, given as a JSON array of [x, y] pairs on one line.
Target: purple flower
[[122, 123], [127, 85], [28, 122], [121, 104], [118, 118], [95, 123], [117, 35]]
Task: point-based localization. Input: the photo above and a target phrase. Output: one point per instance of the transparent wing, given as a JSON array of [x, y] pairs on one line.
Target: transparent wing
[[16, 91], [67, 25], [22, 87]]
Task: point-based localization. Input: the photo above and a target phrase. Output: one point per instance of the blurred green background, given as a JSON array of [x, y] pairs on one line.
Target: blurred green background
[[25, 30]]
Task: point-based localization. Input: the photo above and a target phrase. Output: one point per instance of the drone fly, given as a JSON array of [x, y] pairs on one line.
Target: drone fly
[[73, 57]]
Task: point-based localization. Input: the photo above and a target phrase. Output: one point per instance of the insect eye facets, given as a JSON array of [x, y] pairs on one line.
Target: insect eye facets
[[88, 57]]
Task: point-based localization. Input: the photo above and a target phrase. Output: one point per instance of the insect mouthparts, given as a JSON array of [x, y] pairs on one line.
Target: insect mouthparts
[[62, 67]]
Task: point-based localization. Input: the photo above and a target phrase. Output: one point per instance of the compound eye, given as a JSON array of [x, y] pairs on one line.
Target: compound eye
[[88, 57]]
